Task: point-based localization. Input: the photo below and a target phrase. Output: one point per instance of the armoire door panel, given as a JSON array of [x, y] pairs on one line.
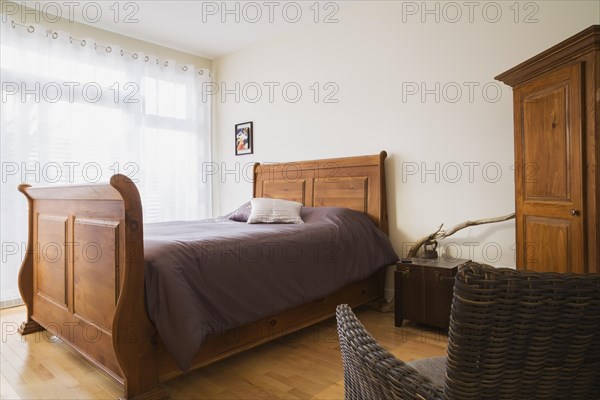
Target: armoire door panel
[[547, 244], [549, 190], [546, 145]]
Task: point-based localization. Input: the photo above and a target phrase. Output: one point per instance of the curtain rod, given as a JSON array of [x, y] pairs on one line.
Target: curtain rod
[[108, 49]]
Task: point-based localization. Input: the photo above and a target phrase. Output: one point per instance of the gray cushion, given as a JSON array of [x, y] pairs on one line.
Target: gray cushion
[[274, 211], [433, 368], [241, 214]]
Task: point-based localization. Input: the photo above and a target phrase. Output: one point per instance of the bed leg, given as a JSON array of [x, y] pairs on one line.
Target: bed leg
[[381, 304], [30, 327]]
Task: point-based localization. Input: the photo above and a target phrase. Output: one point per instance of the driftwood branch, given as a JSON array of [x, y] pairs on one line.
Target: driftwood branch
[[441, 234]]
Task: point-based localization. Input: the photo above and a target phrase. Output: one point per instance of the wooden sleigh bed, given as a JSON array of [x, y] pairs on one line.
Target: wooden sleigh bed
[[96, 304]]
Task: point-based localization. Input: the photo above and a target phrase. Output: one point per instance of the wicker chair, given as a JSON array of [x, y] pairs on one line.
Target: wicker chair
[[513, 335]]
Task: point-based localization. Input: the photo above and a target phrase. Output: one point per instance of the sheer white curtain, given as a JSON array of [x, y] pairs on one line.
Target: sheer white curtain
[[76, 112]]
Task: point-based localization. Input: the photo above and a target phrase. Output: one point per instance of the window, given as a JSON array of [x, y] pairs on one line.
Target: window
[[74, 112]]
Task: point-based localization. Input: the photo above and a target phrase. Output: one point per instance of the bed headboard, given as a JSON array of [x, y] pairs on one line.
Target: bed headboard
[[357, 183]]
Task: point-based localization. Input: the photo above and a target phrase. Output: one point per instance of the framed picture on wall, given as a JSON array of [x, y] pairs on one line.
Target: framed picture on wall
[[244, 141]]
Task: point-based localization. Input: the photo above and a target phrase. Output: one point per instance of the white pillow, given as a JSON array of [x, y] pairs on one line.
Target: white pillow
[[275, 211]]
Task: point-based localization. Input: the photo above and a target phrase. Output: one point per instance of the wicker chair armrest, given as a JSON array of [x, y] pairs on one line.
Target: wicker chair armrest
[[407, 381], [371, 372]]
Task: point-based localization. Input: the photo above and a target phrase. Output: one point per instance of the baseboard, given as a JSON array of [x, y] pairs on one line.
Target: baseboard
[[11, 303]]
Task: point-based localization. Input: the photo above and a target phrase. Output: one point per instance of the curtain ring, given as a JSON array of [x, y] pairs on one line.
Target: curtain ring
[[135, 56], [185, 68], [146, 58], [55, 35], [201, 72], [83, 43], [108, 49], [122, 52], [12, 23], [30, 28], [166, 63], [157, 61]]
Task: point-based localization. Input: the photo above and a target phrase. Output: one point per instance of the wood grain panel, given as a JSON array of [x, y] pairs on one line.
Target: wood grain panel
[[547, 244], [95, 270], [51, 260], [285, 189], [349, 192], [546, 145], [328, 182], [90, 340]]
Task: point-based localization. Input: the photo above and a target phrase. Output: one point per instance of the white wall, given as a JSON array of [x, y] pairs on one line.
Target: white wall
[[374, 54]]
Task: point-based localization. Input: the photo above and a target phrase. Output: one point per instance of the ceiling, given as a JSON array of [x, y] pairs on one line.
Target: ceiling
[[209, 29]]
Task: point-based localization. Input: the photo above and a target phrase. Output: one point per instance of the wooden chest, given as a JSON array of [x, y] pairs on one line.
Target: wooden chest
[[423, 290]]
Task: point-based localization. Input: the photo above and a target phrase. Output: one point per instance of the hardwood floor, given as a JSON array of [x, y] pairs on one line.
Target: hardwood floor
[[304, 365]]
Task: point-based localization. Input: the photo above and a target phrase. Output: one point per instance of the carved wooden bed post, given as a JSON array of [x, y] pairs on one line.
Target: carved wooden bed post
[[26, 271], [383, 221], [134, 336]]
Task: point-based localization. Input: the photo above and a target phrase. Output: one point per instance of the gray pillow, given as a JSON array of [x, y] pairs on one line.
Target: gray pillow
[[241, 214], [274, 211]]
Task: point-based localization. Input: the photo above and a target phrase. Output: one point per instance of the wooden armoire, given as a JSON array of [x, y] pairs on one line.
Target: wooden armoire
[[556, 127]]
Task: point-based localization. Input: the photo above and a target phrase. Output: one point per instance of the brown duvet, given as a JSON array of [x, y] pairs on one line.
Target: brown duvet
[[209, 276]]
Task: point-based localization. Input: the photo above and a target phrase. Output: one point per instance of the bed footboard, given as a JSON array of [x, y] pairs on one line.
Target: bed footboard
[[83, 278]]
